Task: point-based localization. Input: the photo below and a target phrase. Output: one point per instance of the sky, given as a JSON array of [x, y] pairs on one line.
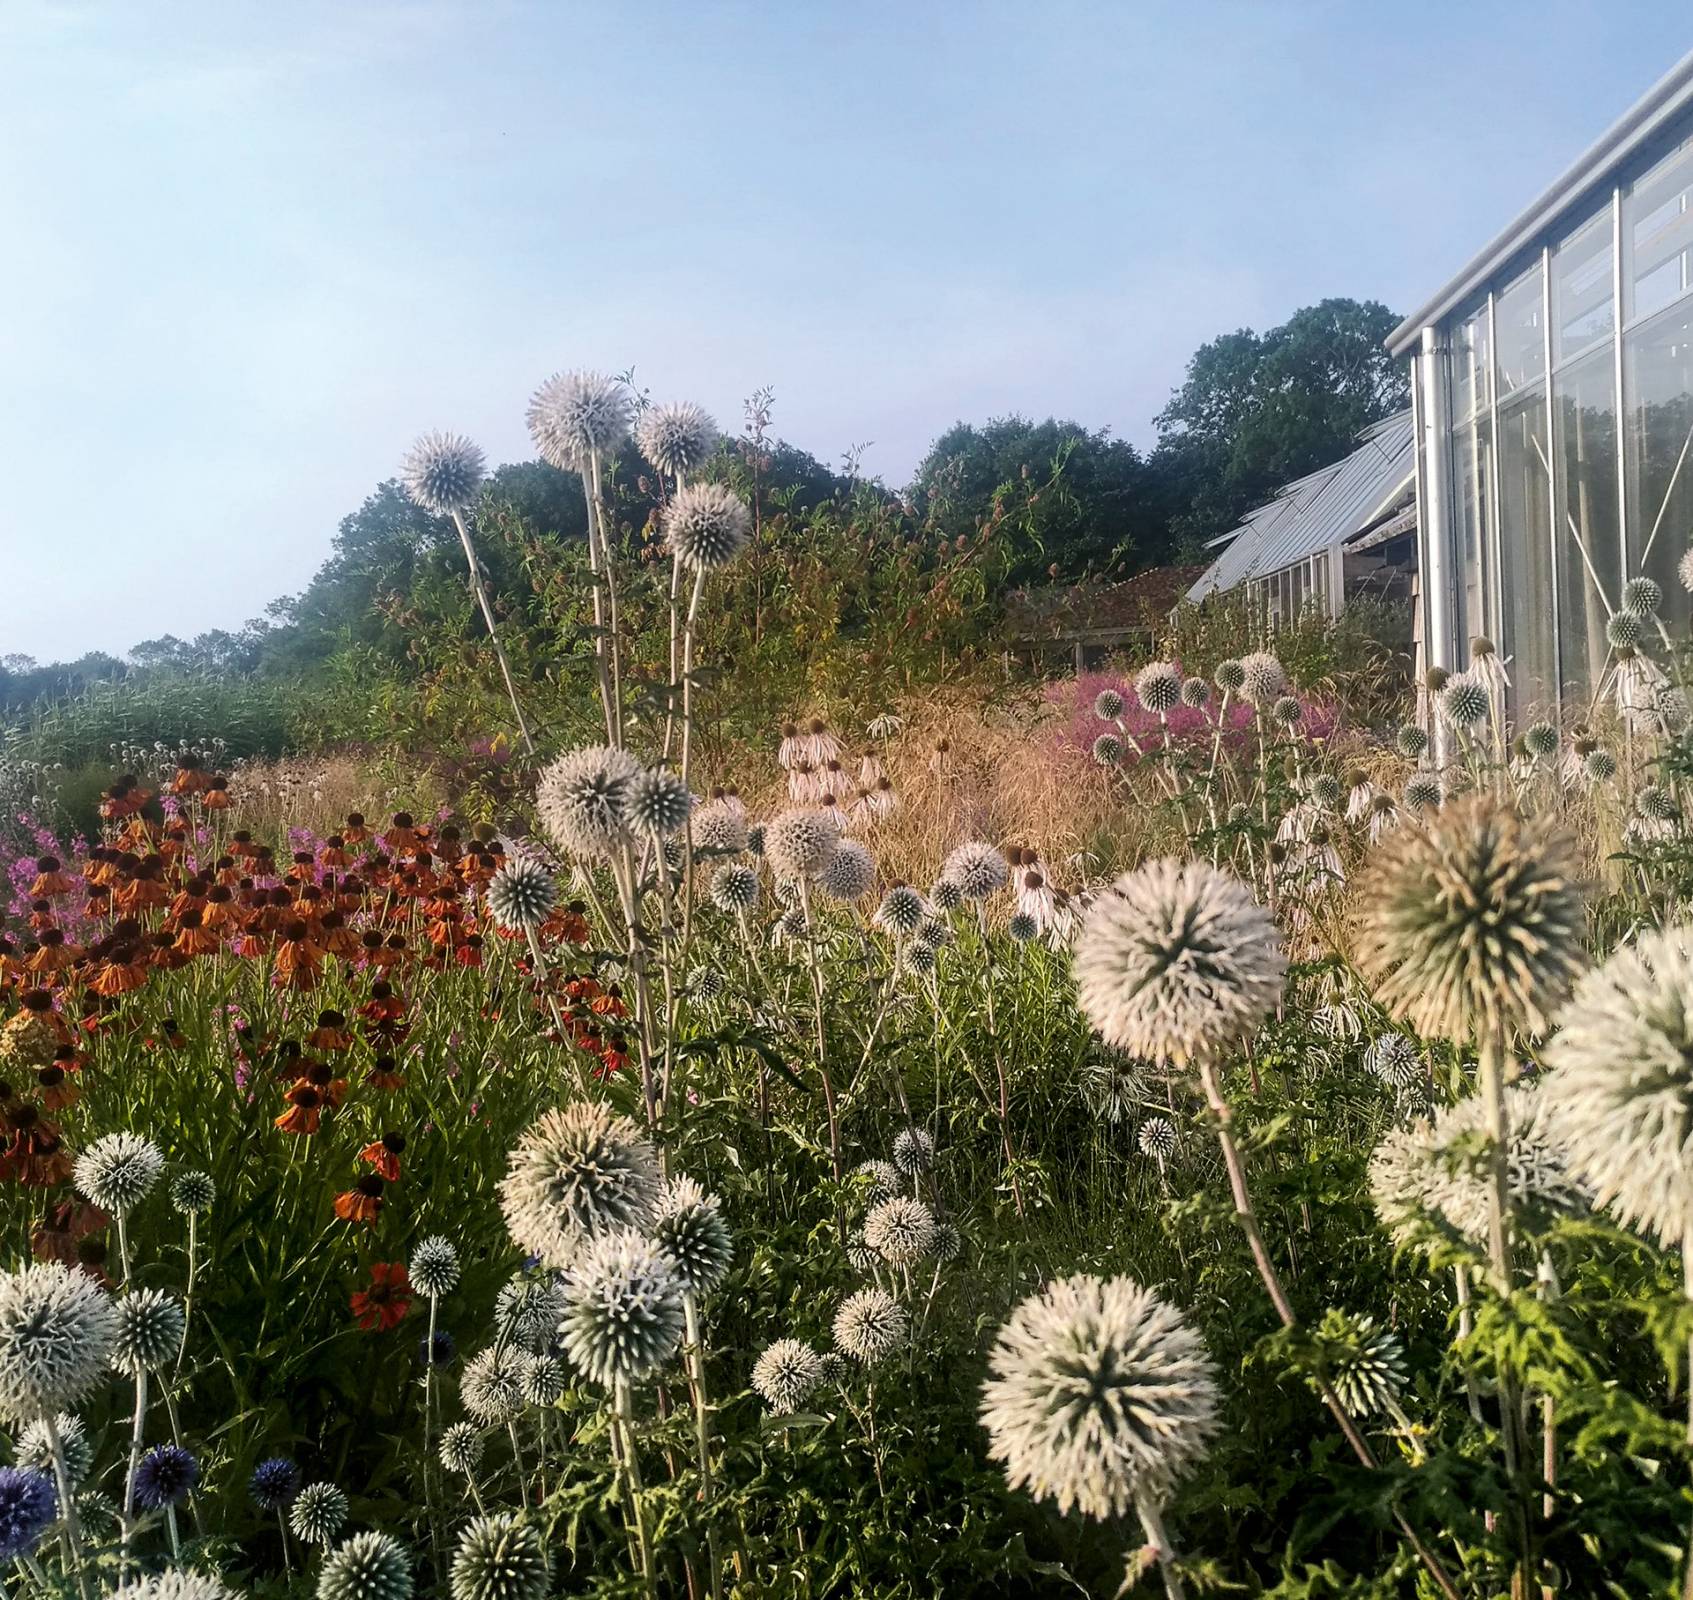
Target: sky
[[250, 248]]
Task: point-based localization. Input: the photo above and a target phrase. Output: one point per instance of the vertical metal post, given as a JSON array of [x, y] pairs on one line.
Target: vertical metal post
[[1438, 610], [1616, 374], [1497, 535], [1552, 482]]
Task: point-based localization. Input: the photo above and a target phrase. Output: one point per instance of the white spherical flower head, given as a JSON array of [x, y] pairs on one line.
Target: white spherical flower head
[[1157, 1138], [491, 1385], [1108, 705], [945, 896], [1684, 570], [1411, 742], [528, 1309], [521, 894], [150, 1325], [544, 1379], [192, 1193], [1158, 687], [799, 843], [1540, 739], [691, 1231], [850, 873], [870, 1325], [1423, 792], [1230, 676], [578, 1172], [318, 1513], [978, 870], [1100, 1394], [901, 1231], [35, 1447], [501, 1557], [1464, 701], [1196, 693], [656, 802], [1625, 631], [676, 439], [914, 1151], [1177, 962], [1365, 1364], [706, 526], [1395, 1060], [720, 827], [785, 1375], [734, 888], [1108, 750], [443, 473], [1262, 680], [575, 416], [1642, 596], [58, 1334], [117, 1172], [434, 1267], [1457, 1188], [368, 1566], [625, 1315], [175, 1583], [901, 912], [882, 1180], [580, 800], [461, 1450]]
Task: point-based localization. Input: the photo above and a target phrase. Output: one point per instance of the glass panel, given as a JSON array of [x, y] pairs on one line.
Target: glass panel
[[1658, 383], [1472, 465], [1519, 317], [1657, 232], [1589, 540], [1525, 554], [1582, 301], [1469, 364]]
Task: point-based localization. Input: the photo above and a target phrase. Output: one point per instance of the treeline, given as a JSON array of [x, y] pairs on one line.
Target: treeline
[[1255, 410]]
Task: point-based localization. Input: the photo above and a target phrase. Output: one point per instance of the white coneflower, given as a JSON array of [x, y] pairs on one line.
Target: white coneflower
[[1262, 679], [901, 912], [1230, 676], [461, 1449], [117, 1172], [719, 827], [150, 1324], [528, 1308], [1113, 1085], [368, 1566], [58, 1334], [691, 1231], [577, 1172], [1488, 670], [870, 1325], [1635, 683], [1360, 791], [625, 1317], [1178, 962], [706, 526], [1108, 705], [580, 797], [1158, 687], [501, 1557], [819, 743], [1101, 1397], [979, 870], [521, 893], [1364, 1364], [443, 472], [901, 1231], [1395, 1060], [914, 1151], [799, 843], [434, 1269], [656, 802], [1474, 926], [574, 416], [734, 888], [1108, 750], [849, 874], [785, 1375], [1036, 898], [318, 1513], [676, 439], [1157, 1138], [491, 1385]]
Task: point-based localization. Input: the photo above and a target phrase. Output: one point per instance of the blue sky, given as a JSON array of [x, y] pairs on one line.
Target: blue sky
[[249, 250]]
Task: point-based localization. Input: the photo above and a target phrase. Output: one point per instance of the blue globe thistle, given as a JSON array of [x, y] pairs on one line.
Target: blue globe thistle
[[978, 870], [440, 1351], [575, 416], [319, 1512], [580, 800], [442, 472], [28, 1507], [274, 1483], [165, 1476], [58, 1329], [528, 1309], [1022, 927], [914, 1150], [706, 526], [676, 439], [35, 1448], [1157, 1138]]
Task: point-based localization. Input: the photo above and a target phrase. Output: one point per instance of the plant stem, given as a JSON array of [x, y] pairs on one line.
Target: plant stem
[[1146, 1508]]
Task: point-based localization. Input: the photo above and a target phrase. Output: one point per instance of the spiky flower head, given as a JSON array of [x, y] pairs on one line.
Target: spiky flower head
[[690, 1230], [1099, 1394], [578, 1172], [734, 888], [1364, 1364], [1475, 925], [1177, 962], [1108, 750], [1599, 766], [150, 1324], [443, 472], [1657, 804], [580, 800], [319, 1513], [1113, 1084], [544, 1379], [1423, 792], [521, 893], [491, 1385], [1326, 791], [1684, 570], [1157, 1138], [914, 1151], [902, 911], [1196, 693], [785, 1374], [1395, 1060], [706, 526], [1464, 701], [528, 1308], [945, 895], [1230, 676], [1642, 596], [870, 1325], [1540, 739], [58, 1332], [461, 1448], [625, 1314], [676, 439], [882, 1179], [1022, 927], [1411, 742], [29, 1505], [901, 1231], [35, 1446], [1625, 631], [860, 1257], [117, 1172], [656, 802], [575, 416], [274, 1483], [707, 984], [192, 1193], [849, 874], [949, 1242], [368, 1566], [1262, 679], [165, 1476], [501, 1557], [978, 869], [719, 826], [1108, 705], [799, 843], [434, 1269], [1287, 710], [1158, 687], [174, 1583]]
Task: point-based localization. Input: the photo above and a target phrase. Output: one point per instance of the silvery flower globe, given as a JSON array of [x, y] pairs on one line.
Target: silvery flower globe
[[58, 1335], [625, 1313], [785, 1375], [1108, 705], [434, 1269], [117, 1172], [706, 526], [580, 800], [799, 843], [491, 1385], [676, 439], [900, 1230], [1158, 687], [870, 1325], [150, 1326], [914, 1151], [849, 874], [368, 1566], [977, 870], [734, 888], [521, 894], [690, 1230], [575, 416], [656, 802], [319, 1513], [461, 1448], [192, 1193], [501, 1557], [443, 472]]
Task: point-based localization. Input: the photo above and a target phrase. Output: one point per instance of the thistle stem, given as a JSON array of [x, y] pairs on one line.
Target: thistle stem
[[1146, 1508]]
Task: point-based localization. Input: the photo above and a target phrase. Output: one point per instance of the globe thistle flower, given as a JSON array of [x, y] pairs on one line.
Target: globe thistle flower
[[978, 870], [528, 1310], [1286, 711], [676, 439], [1022, 928], [1657, 804], [1100, 1395], [1684, 570], [870, 1325], [521, 894], [1157, 1139], [1411, 742], [117, 1172], [461, 1448], [434, 1269], [1474, 926], [1196, 693], [946, 896], [1108, 705], [319, 1513], [35, 1447], [1423, 793], [1395, 1060], [368, 1566], [1540, 739], [755, 838], [1108, 750], [785, 1375], [1364, 1364], [580, 800], [1642, 597], [1158, 687], [1539, 1182], [174, 1583], [691, 1232], [708, 984], [625, 1315], [1599, 766], [720, 828], [443, 472], [439, 1349], [150, 1326], [1262, 679], [58, 1332], [1464, 702], [901, 912], [501, 1557], [706, 526], [578, 1172], [544, 1379], [1625, 631], [491, 1385], [1230, 676], [192, 1193], [165, 1477], [1177, 962], [901, 1231], [914, 1151], [860, 1257], [274, 1483], [575, 416], [734, 888], [882, 1179], [849, 874], [656, 802], [29, 1505], [799, 844]]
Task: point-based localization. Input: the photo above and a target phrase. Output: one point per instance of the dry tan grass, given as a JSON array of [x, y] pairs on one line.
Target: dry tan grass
[[317, 792]]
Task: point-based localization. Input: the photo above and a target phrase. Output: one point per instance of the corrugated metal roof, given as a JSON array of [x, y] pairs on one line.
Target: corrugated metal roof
[[1320, 511]]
